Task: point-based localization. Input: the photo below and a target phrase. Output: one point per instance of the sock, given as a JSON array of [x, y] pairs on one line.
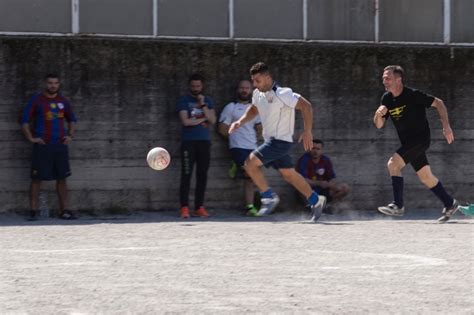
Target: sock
[[267, 194], [397, 184], [313, 199], [441, 193]]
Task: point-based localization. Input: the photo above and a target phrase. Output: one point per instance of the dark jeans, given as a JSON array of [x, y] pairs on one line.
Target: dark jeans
[[192, 152]]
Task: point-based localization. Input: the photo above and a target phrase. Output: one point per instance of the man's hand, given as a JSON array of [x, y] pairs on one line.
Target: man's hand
[[37, 140], [307, 138], [448, 134], [67, 139], [234, 126], [381, 111], [200, 99]]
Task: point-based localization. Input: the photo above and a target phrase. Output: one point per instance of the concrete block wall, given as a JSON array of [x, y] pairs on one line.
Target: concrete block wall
[[124, 94]]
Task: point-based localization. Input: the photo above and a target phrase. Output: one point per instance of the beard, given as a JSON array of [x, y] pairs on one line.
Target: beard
[[244, 98], [52, 91], [195, 93]]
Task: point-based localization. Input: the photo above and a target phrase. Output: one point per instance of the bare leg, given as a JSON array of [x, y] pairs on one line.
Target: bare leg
[[253, 167], [395, 165], [61, 189], [426, 177], [249, 191], [339, 192], [35, 188], [296, 180]]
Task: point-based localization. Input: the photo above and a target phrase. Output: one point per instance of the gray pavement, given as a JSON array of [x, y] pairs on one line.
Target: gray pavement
[[155, 263]]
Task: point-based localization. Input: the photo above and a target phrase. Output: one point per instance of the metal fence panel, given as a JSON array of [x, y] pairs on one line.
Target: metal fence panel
[[341, 19], [411, 21], [462, 21], [207, 18], [53, 16], [269, 19], [116, 17]]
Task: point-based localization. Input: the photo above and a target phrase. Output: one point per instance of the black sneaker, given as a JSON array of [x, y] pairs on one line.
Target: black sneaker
[[392, 209], [448, 212], [33, 215]]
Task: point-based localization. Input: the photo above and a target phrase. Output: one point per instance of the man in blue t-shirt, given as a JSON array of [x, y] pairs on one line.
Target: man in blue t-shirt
[[196, 113]]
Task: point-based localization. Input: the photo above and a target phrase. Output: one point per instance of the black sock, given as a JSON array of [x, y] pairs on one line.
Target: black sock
[[397, 184], [441, 193]]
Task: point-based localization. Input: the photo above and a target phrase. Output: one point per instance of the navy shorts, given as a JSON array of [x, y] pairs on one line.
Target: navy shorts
[[50, 162], [415, 154], [239, 156], [274, 153]]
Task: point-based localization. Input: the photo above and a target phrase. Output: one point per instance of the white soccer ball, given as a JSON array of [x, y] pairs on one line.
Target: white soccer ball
[[158, 158]]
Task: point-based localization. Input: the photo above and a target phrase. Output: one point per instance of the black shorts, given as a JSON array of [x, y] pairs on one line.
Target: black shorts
[[415, 154], [50, 162]]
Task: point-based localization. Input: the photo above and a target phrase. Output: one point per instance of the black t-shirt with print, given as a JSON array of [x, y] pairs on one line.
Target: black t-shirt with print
[[408, 113]]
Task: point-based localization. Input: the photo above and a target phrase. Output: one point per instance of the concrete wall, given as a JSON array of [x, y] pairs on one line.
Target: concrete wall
[[124, 93]]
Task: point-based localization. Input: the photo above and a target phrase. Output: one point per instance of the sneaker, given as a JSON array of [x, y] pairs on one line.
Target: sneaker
[[201, 212], [184, 213], [252, 212], [268, 205], [448, 212], [33, 215], [67, 215], [317, 208], [392, 209]]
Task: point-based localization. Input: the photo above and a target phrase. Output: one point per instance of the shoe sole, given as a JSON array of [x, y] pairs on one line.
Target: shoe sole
[[389, 213]]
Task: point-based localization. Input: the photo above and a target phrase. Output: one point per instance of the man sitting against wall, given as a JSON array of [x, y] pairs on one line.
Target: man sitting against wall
[[318, 171]]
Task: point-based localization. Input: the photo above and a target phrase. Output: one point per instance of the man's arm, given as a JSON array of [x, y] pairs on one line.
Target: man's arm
[[71, 127], [379, 119], [249, 114], [188, 122], [443, 115], [27, 132], [223, 129], [208, 112], [306, 109]]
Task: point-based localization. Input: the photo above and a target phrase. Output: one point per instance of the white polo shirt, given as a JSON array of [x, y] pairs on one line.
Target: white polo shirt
[[276, 108], [246, 136]]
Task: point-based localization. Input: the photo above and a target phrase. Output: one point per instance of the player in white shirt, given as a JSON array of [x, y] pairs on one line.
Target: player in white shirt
[[244, 140], [276, 107]]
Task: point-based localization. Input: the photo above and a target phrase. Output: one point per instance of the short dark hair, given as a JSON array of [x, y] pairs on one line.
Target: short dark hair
[[396, 69], [196, 77], [51, 76], [259, 67], [318, 141]]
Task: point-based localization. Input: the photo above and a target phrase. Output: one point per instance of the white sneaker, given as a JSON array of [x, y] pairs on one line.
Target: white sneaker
[[317, 209], [448, 212], [392, 209], [268, 205]]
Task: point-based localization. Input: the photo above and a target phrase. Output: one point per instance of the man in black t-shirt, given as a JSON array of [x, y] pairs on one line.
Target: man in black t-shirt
[[406, 107]]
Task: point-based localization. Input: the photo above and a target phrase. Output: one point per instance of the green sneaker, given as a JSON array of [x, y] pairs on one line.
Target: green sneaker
[[252, 211], [467, 210], [233, 170]]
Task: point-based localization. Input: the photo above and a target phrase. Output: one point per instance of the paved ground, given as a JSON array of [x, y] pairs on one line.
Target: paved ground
[[154, 263]]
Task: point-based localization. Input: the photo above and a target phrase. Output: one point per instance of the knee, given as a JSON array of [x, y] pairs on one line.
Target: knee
[[249, 165], [393, 166]]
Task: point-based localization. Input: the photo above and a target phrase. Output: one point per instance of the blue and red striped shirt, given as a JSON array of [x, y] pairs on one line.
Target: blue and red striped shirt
[[46, 117], [323, 170]]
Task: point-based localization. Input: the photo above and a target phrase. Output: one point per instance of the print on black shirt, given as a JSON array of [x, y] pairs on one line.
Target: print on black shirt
[[408, 113]]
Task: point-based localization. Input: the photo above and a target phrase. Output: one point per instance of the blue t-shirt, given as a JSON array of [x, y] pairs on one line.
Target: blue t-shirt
[[198, 132]]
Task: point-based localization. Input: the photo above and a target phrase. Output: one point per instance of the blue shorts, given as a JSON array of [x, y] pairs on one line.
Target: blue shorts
[[239, 156], [50, 162], [274, 153]]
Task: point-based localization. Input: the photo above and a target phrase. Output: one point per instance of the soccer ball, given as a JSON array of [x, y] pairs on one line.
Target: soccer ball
[[158, 158]]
